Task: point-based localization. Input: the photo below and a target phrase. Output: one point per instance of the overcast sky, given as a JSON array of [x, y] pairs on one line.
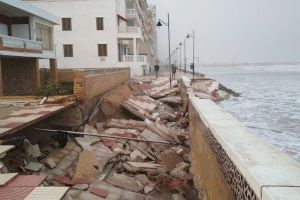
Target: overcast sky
[[233, 30]]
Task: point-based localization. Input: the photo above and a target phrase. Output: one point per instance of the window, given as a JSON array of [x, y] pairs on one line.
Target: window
[[99, 23], [68, 50], [102, 49], [66, 24], [44, 35]]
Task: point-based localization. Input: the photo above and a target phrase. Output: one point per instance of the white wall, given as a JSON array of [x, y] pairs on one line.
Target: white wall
[[84, 35], [3, 29], [20, 30]]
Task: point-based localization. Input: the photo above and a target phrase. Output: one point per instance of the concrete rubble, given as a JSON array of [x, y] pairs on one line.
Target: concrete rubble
[[147, 157]]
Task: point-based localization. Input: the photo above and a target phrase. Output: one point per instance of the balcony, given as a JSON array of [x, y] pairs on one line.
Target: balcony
[[130, 32], [141, 59], [8, 43], [130, 13]]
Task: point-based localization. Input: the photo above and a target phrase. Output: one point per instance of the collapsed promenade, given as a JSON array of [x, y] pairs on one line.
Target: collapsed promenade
[[142, 139]]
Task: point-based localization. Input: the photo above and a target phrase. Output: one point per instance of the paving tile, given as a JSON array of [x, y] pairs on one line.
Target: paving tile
[[4, 178], [14, 193], [26, 181], [5, 148], [99, 192], [47, 193]]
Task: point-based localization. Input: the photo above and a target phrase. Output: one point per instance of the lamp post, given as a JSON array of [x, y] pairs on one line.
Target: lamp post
[[192, 36], [180, 44], [161, 23], [184, 43]]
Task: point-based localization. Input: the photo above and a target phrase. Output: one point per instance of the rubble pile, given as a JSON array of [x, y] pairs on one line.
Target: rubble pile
[[206, 88], [146, 156]]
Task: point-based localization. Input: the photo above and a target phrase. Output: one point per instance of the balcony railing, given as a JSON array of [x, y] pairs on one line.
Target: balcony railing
[[19, 44], [129, 29], [128, 58], [139, 58], [130, 13]]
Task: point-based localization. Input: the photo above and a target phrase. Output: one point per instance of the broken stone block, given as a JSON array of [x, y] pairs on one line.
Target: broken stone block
[[149, 187], [183, 166], [49, 162], [138, 156], [186, 157], [177, 197], [142, 178], [170, 158], [125, 182], [82, 187], [33, 166], [87, 165], [90, 129], [99, 192], [181, 174]]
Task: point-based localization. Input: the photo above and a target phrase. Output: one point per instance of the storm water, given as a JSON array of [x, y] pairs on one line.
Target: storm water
[[269, 104]]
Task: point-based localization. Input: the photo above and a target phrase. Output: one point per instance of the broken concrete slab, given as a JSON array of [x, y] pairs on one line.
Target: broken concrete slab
[[144, 165], [172, 100], [142, 178], [33, 166], [86, 141], [149, 187], [99, 192], [86, 166], [82, 187], [125, 182], [49, 162], [170, 158], [138, 156]]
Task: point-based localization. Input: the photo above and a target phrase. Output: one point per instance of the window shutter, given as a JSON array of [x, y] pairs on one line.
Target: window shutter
[[99, 23]]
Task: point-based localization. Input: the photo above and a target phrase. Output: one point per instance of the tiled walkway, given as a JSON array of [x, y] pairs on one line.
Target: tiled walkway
[[24, 116]]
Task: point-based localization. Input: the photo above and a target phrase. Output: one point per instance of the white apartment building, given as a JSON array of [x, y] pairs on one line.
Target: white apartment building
[[26, 37], [103, 33]]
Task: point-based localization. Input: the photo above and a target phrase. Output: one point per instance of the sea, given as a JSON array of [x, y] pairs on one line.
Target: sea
[[269, 105]]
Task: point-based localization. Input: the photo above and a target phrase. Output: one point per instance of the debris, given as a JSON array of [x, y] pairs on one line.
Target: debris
[[86, 166], [125, 182], [105, 136], [141, 106], [126, 124], [43, 100], [136, 155], [82, 187], [172, 100], [4, 178], [149, 187], [145, 165], [99, 192], [67, 181], [170, 158], [49, 162], [33, 166], [142, 178]]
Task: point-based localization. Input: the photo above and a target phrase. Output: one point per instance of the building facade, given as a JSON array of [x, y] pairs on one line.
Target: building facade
[[103, 33], [26, 37]]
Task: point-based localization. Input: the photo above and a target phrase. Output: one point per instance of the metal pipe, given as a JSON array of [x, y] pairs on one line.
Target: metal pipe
[[104, 136]]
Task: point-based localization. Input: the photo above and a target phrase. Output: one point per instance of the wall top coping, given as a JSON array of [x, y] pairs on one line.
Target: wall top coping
[[266, 169]]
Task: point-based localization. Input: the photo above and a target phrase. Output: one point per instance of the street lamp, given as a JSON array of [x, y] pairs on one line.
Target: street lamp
[[193, 37], [180, 44], [159, 24]]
